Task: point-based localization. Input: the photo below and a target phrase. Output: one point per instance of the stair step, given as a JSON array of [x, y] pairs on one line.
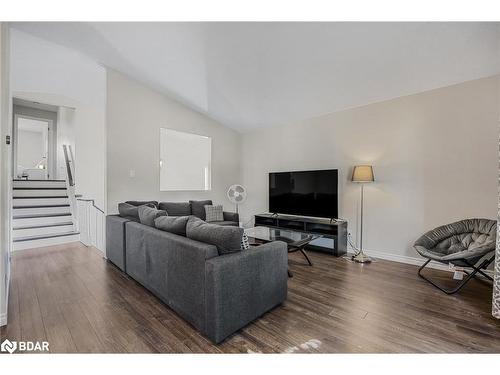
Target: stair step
[[21, 202], [47, 241], [39, 215], [42, 225], [21, 179], [47, 230], [38, 193], [39, 184], [39, 188], [44, 236], [37, 220], [26, 211], [40, 206], [40, 197]]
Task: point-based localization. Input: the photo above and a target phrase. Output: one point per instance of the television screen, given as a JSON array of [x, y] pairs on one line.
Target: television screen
[[306, 193]]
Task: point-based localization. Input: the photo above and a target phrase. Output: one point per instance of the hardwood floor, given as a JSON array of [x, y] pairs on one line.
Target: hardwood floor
[[71, 297]]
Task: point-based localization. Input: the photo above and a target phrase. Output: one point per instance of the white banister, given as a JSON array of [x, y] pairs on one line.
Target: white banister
[[87, 217], [91, 222]]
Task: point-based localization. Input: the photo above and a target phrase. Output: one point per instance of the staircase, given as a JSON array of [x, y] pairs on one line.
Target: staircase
[[41, 214]]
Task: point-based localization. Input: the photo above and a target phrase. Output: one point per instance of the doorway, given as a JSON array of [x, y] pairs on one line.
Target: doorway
[[34, 137]]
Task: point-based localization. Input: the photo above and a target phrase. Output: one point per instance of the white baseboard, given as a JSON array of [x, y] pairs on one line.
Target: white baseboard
[[411, 260], [3, 319]]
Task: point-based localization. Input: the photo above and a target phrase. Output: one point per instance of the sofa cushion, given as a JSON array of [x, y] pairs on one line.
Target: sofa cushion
[[226, 223], [147, 215], [198, 208], [130, 211], [176, 208], [213, 213], [227, 239], [143, 203], [172, 224]]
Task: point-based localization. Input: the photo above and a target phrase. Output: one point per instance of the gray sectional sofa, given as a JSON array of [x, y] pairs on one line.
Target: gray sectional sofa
[[217, 293]]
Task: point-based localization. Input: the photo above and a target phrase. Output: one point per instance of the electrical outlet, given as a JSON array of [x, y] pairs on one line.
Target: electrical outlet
[[132, 173]]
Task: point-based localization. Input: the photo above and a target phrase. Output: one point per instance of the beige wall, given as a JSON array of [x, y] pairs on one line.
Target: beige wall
[[434, 156], [135, 115]]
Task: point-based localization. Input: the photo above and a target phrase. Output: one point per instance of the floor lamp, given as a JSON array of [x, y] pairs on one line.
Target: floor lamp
[[362, 174]]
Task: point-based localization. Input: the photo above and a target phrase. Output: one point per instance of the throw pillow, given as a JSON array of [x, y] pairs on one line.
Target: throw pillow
[[245, 245], [143, 203], [198, 208], [172, 224], [226, 239], [176, 208], [130, 211], [213, 213], [147, 215]]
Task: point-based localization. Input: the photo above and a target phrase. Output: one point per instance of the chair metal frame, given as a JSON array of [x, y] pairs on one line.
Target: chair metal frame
[[475, 270]]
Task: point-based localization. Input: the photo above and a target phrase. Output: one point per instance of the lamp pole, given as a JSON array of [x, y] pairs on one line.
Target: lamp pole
[[361, 223], [362, 174]]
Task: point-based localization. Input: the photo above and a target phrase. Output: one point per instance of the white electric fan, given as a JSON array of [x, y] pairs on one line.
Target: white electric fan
[[237, 195]]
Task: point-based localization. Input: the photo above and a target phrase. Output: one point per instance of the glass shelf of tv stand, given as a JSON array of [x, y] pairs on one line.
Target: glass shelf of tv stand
[[291, 237]]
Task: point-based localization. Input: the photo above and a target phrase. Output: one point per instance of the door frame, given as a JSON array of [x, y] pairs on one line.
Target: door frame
[[51, 135]]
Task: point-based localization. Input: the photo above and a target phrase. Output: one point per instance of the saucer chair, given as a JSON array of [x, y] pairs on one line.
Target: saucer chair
[[466, 243]]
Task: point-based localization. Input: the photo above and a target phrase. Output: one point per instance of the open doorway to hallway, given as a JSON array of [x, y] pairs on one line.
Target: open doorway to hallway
[[43, 196], [34, 140]]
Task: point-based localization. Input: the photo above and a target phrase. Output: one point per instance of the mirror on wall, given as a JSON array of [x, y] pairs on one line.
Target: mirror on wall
[[185, 161]]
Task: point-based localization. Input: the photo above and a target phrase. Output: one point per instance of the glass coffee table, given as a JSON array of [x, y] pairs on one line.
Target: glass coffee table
[[296, 241]]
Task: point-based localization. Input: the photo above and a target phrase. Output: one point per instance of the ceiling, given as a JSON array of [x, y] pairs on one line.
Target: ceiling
[[253, 75]]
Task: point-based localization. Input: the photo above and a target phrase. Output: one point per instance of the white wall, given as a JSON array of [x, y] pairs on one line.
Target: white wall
[[66, 133], [5, 163], [135, 115], [434, 156], [31, 147], [52, 74]]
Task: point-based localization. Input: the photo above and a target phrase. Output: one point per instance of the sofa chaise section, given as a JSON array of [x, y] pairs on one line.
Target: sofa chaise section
[[241, 287], [172, 267], [217, 294]]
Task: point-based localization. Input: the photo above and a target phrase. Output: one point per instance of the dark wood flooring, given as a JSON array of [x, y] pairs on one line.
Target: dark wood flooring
[[71, 297]]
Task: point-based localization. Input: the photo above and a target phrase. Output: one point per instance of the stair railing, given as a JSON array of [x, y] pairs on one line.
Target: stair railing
[[92, 224], [70, 184], [88, 219]]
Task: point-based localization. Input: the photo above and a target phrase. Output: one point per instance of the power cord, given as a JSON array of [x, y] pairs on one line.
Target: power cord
[[352, 245]]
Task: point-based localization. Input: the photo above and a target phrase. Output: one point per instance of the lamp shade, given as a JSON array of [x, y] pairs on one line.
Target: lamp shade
[[362, 173]]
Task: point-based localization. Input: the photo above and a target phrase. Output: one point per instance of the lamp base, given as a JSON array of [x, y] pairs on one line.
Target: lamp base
[[361, 258]]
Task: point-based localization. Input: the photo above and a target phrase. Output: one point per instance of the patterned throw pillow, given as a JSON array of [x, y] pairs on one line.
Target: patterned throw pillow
[[213, 213], [244, 242]]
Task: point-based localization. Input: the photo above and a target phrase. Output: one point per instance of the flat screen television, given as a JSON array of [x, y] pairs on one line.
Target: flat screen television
[[305, 193]]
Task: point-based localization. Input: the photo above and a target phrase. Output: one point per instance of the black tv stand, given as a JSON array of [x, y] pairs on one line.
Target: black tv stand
[[334, 231]]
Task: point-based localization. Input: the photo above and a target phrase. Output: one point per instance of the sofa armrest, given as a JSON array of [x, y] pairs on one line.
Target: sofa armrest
[[231, 216], [115, 240], [240, 287]]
